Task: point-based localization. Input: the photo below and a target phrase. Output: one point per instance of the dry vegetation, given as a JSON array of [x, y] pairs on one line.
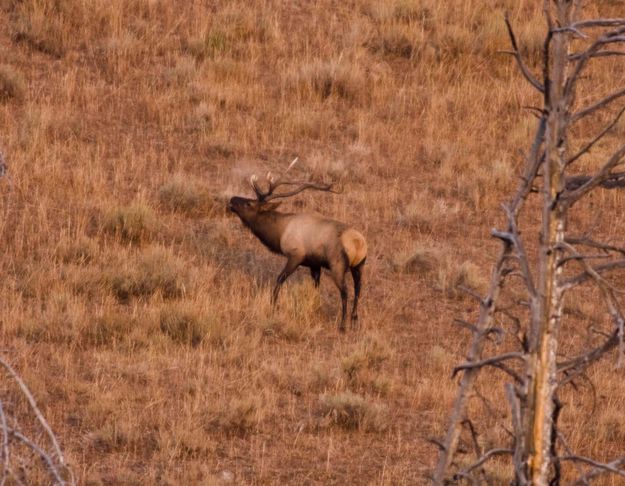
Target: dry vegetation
[[137, 310]]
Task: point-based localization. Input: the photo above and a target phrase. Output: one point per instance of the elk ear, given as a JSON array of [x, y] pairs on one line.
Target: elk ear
[[270, 206]]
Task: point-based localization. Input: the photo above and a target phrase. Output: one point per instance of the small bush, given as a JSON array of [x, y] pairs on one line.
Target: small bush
[[469, 275], [451, 277], [208, 46], [108, 329], [183, 195], [421, 261], [134, 223], [44, 26], [369, 355], [186, 326], [12, 83], [425, 214], [154, 271], [286, 330], [326, 78], [395, 43], [80, 251], [182, 73], [350, 411], [410, 11], [239, 416]]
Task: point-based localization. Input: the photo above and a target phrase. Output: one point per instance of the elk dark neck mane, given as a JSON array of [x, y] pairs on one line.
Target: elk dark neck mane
[[268, 227]]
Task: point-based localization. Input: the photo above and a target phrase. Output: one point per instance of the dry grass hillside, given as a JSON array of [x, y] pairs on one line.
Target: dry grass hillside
[[137, 309]]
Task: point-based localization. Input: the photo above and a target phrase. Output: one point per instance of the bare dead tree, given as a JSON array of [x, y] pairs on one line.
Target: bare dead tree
[[564, 261], [14, 441]]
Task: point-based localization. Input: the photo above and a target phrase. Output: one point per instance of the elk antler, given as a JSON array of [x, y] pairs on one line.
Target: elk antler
[[268, 195], [256, 188]]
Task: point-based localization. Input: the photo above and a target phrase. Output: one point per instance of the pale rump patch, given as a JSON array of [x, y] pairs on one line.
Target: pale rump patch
[[355, 246]]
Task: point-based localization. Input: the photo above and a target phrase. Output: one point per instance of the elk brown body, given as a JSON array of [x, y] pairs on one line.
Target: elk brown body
[[305, 239]]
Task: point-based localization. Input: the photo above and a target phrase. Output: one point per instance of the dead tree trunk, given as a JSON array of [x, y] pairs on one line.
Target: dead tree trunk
[[547, 307], [550, 171]]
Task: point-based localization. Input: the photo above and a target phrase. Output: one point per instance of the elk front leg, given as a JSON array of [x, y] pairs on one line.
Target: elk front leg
[[291, 264]]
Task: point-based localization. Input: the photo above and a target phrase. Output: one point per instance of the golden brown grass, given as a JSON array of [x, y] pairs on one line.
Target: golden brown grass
[[137, 309]]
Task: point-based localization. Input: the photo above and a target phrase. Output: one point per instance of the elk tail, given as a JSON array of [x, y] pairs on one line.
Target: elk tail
[[355, 247]]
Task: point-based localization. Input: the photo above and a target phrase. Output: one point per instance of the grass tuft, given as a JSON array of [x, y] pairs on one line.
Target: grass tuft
[[156, 270], [350, 411], [335, 77], [183, 324], [134, 223], [422, 260], [370, 354], [184, 195], [12, 83], [80, 251], [241, 415], [109, 329]]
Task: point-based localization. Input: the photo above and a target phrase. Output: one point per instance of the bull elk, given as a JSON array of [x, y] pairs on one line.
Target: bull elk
[[305, 239]]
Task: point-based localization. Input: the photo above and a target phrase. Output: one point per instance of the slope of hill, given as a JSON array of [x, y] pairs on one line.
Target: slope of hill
[[137, 309]]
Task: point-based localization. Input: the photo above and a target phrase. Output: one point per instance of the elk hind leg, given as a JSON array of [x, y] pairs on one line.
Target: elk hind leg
[[338, 275], [357, 277]]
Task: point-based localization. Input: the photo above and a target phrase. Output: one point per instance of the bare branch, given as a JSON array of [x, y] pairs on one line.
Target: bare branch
[[437, 443], [599, 136], [583, 24], [520, 251], [470, 292], [614, 180], [5, 443], [586, 359], [476, 444], [598, 105], [578, 55], [605, 467], [584, 58], [517, 55], [517, 427], [513, 374], [600, 177], [485, 457], [607, 292], [569, 258], [487, 308], [585, 276], [35, 408], [568, 450], [488, 361], [466, 325], [586, 241], [511, 237], [42, 454], [599, 470]]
